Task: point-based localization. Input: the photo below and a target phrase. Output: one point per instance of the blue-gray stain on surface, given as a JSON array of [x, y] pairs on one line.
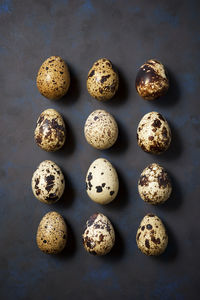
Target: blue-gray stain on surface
[[5, 6], [163, 16]]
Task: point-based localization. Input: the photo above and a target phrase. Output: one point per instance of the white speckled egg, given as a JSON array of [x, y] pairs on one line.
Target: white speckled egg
[[99, 235], [102, 181], [102, 81], [51, 235], [48, 182], [153, 133], [154, 185], [151, 80], [151, 236], [53, 78], [50, 130], [101, 130]]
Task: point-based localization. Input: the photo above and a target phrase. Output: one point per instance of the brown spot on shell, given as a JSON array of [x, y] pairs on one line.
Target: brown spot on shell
[[163, 179], [149, 226], [104, 78], [154, 240], [144, 181], [138, 236], [161, 117], [92, 219], [151, 138], [150, 215], [164, 132], [99, 189], [156, 123], [91, 73], [147, 244], [52, 197], [38, 139], [50, 182]]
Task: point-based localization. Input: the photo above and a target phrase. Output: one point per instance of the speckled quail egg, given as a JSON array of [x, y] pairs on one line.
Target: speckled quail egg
[[48, 182], [151, 236], [103, 81], [101, 130], [154, 185], [50, 130], [51, 235], [99, 235], [153, 133], [151, 80], [53, 78], [102, 181]]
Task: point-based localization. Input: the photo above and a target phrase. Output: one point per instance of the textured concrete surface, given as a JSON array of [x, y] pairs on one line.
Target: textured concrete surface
[[128, 33]]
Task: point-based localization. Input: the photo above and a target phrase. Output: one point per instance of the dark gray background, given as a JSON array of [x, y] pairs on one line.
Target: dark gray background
[[128, 33]]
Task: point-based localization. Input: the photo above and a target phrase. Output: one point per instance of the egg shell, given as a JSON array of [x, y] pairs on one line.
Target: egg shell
[[102, 182], [101, 130], [153, 133], [99, 235], [151, 237], [51, 235], [50, 130], [53, 78], [48, 182], [154, 185], [152, 81], [103, 80]]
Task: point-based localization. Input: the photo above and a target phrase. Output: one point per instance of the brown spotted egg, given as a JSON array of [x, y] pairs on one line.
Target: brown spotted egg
[[51, 235], [50, 130], [99, 235], [53, 78], [153, 133], [48, 182], [151, 80], [151, 237], [101, 130], [102, 182], [102, 81], [154, 184]]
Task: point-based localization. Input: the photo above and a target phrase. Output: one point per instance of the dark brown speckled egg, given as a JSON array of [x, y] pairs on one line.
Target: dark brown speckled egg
[[50, 130], [99, 235], [102, 81], [48, 182], [154, 185], [152, 81], [151, 237], [153, 133]]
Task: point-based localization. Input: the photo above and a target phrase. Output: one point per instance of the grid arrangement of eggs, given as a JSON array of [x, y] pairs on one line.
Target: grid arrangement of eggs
[[101, 132]]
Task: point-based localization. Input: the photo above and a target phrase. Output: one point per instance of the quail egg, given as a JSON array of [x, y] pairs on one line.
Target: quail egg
[[101, 130], [99, 235], [103, 81], [48, 182], [151, 236], [102, 181], [153, 133], [51, 235], [50, 130], [152, 81], [154, 185], [53, 78]]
